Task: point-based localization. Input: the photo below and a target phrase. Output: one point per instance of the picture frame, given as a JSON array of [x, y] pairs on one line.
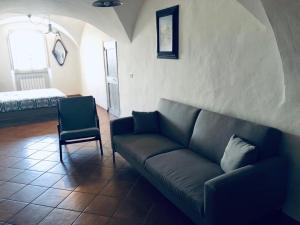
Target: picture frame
[[60, 52], [167, 28]]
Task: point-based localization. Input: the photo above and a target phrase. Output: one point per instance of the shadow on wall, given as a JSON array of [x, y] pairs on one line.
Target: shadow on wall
[[284, 16]]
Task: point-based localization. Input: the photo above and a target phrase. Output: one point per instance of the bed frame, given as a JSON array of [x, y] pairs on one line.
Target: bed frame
[[17, 118]]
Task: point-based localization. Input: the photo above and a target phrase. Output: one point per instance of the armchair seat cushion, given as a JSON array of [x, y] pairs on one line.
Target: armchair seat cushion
[[184, 173], [139, 147], [79, 134]]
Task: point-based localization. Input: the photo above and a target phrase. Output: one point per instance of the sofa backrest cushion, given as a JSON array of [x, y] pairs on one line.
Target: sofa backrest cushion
[[177, 120], [213, 131]]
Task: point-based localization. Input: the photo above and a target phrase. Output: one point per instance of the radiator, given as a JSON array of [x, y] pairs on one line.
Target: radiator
[[31, 80]]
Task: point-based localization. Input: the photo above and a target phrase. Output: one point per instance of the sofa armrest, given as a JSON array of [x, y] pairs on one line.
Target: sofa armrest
[[243, 195], [121, 126]]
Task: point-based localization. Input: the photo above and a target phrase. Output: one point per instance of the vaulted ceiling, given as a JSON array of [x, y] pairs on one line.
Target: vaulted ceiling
[[283, 16], [116, 22]]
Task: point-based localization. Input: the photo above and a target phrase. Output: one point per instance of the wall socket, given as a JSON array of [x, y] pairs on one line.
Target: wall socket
[[131, 75]]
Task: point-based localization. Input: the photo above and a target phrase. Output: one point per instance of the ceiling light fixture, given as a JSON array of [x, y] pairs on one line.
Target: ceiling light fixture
[[107, 3], [50, 29]]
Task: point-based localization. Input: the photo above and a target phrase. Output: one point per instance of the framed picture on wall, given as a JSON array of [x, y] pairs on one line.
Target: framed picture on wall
[[167, 26]]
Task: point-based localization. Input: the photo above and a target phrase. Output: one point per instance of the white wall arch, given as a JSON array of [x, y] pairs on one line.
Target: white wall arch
[[107, 20], [37, 23]]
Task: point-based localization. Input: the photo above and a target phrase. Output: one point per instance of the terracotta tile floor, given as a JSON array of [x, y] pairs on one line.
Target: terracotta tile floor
[[35, 188]]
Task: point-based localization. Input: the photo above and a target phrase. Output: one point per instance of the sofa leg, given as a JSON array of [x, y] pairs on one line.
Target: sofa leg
[[114, 156], [60, 152], [101, 149]]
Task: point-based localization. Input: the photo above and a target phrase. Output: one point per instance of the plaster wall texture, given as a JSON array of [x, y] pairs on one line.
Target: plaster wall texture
[[73, 26], [228, 60], [284, 19], [93, 77], [284, 16]]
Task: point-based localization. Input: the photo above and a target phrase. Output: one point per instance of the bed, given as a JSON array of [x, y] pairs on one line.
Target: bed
[[22, 107]]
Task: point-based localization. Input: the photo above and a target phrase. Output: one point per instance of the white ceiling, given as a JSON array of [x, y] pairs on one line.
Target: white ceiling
[[128, 14], [119, 23]]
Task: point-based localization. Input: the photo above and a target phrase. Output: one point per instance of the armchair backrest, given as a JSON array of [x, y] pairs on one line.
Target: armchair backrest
[[77, 113]]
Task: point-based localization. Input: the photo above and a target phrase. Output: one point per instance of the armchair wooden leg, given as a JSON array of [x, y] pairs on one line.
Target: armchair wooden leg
[[60, 152]]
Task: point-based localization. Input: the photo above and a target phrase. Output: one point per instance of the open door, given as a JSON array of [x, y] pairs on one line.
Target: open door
[[112, 79]]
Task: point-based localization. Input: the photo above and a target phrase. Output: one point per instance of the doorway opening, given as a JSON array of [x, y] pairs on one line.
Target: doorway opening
[[112, 77]]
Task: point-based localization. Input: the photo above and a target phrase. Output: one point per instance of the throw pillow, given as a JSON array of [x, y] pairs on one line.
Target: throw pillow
[[238, 153], [145, 122]]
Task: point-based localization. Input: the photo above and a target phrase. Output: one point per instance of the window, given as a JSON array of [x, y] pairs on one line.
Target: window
[[28, 50]]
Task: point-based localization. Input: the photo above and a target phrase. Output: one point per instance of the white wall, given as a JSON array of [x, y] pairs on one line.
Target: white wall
[[228, 60], [229, 63], [73, 26], [65, 78], [92, 64]]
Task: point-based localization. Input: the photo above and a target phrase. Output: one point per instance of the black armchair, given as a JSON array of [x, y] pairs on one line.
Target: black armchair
[[78, 121]]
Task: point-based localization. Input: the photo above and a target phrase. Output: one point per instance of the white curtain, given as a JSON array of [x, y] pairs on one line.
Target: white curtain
[[28, 50]]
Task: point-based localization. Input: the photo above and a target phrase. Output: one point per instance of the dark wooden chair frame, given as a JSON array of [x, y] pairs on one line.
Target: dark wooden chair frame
[[75, 141]]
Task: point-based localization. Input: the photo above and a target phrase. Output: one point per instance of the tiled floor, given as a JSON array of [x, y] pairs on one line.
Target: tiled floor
[[35, 188]]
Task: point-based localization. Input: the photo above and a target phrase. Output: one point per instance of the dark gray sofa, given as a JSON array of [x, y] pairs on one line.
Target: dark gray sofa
[[183, 162]]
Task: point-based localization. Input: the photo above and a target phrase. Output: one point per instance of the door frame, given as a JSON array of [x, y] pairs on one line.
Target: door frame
[[106, 73]]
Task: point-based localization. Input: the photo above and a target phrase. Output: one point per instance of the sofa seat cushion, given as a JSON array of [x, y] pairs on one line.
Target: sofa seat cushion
[[78, 134], [139, 147], [183, 174]]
